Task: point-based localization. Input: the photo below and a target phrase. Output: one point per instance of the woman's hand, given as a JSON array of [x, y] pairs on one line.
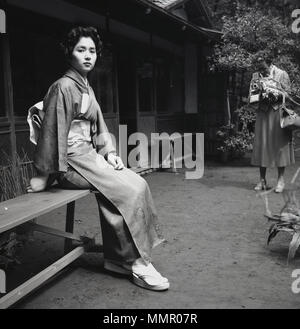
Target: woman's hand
[[37, 184], [115, 161]]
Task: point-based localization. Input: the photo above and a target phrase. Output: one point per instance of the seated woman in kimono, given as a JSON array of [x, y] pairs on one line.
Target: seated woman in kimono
[[74, 147]]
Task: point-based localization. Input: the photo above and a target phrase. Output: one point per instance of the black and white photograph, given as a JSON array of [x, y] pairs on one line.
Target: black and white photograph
[[149, 157]]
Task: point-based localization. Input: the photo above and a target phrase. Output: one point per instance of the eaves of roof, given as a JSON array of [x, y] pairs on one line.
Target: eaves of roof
[[207, 32]]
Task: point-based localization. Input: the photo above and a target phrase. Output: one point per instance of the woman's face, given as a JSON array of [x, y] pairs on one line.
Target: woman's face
[[264, 68], [84, 55]]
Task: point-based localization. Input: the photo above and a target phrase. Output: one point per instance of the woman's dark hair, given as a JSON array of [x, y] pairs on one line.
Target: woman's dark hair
[[267, 58], [74, 35]]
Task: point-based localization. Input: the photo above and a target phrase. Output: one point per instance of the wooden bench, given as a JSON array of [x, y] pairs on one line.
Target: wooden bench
[[22, 210]]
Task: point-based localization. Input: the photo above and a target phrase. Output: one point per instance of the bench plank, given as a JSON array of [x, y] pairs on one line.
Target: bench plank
[[26, 207]]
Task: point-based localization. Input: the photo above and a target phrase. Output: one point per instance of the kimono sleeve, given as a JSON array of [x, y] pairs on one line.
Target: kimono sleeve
[[51, 150]]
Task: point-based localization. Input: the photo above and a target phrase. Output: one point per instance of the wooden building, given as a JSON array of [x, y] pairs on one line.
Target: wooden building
[[152, 75]]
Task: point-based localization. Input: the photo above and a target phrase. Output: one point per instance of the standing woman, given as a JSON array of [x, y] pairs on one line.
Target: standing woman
[[273, 145], [74, 147]]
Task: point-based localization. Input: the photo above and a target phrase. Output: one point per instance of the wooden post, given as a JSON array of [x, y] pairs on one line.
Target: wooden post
[[8, 93], [69, 224]]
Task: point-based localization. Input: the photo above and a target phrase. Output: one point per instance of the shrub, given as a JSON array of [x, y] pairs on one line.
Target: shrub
[[237, 139], [14, 177]]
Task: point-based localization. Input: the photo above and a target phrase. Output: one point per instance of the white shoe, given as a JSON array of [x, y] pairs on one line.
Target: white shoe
[[279, 187], [149, 282], [146, 276], [261, 186], [143, 275]]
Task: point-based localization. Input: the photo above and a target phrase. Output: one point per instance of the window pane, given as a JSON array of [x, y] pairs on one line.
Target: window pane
[[177, 86], [127, 82], [169, 84], [162, 84], [36, 63], [36, 57], [102, 81], [145, 85]]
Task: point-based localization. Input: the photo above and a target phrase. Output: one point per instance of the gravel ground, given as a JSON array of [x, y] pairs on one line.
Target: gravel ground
[[215, 255]]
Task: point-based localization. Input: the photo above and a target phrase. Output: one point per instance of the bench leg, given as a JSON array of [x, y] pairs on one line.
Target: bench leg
[[69, 224]]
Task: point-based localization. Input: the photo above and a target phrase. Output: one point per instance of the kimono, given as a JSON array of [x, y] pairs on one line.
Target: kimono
[[72, 146], [273, 145]]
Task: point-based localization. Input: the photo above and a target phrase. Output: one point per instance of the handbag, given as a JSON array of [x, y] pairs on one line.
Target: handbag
[[288, 118]]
